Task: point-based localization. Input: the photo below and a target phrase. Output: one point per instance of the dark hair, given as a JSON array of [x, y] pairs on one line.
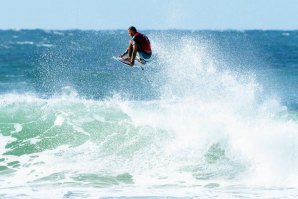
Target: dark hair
[[132, 28]]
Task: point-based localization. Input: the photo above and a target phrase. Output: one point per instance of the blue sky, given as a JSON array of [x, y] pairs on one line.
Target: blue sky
[[149, 14]]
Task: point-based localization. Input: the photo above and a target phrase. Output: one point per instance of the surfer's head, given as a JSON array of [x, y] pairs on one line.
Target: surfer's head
[[132, 31]]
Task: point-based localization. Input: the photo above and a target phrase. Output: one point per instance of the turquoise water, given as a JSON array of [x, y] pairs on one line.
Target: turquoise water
[[214, 115]]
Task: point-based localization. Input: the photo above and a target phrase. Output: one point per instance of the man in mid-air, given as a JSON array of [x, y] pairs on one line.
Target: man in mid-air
[[139, 43]]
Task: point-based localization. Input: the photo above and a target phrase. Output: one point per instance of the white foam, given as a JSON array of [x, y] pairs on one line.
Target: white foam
[[223, 106], [45, 45], [59, 120], [286, 34], [18, 128], [4, 46], [25, 42], [4, 140], [58, 33]]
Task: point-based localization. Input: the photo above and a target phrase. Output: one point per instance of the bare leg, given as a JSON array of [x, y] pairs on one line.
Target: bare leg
[[130, 50]]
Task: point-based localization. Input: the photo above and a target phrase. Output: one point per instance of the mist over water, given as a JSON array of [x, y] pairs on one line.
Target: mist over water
[[200, 119]]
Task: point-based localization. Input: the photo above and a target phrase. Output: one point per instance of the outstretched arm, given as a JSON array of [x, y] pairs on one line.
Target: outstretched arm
[[124, 53], [128, 50]]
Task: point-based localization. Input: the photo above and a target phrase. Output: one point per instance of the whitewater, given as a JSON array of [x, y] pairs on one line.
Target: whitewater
[[214, 115]]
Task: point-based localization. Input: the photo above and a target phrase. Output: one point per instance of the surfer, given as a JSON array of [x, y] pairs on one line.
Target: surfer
[[139, 43]]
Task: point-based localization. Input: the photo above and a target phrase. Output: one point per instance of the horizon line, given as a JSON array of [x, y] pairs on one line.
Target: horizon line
[[147, 29]]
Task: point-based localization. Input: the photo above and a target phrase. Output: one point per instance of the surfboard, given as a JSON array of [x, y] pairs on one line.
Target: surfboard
[[123, 61]]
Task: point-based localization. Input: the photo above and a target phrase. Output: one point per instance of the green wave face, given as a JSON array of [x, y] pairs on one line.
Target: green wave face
[[70, 141]]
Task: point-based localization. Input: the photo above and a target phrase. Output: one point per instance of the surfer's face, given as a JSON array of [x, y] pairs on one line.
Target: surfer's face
[[131, 33]]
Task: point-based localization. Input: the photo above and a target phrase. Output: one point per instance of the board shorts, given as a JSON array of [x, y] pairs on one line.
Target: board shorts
[[142, 54]]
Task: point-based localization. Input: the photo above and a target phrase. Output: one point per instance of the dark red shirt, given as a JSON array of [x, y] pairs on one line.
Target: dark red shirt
[[143, 42]]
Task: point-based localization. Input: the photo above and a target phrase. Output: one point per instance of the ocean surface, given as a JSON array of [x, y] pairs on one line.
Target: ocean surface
[[213, 115]]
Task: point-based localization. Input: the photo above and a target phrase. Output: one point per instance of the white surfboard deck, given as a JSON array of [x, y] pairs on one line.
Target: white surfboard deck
[[124, 62]]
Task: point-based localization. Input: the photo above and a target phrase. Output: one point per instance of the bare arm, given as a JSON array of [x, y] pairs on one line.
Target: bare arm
[[124, 53]]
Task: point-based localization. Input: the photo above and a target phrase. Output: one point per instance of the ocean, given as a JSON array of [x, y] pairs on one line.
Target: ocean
[[214, 114]]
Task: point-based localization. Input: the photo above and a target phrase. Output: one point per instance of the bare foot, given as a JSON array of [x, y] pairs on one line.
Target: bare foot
[[126, 58], [141, 60]]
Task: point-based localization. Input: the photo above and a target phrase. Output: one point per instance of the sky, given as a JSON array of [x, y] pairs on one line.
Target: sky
[[149, 14]]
